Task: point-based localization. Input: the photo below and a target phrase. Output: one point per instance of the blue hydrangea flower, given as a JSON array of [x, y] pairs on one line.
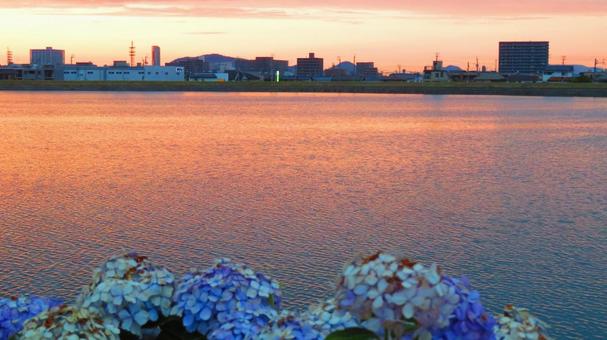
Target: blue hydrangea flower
[[69, 322], [131, 290], [290, 327], [15, 311], [396, 297], [470, 320], [326, 318], [226, 300], [518, 323]]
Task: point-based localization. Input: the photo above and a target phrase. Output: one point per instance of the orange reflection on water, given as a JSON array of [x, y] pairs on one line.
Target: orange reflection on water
[[300, 183]]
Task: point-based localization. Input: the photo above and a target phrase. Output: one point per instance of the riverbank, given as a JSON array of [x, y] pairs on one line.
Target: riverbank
[[508, 89]]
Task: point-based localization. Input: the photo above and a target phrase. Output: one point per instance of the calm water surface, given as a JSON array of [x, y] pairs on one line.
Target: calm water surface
[[510, 191]]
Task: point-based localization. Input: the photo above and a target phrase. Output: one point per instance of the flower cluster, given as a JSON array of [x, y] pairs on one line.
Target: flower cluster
[[131, 290], [469, 320], [68, 322], [326, 318], [15, 311], [290, 327], [389, 297], [396, 297], [226, 301], [517, 324]]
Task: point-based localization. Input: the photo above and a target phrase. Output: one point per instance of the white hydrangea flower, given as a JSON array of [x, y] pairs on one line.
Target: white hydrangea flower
[[392, 296], [70, 323], [519, 324], [326, 318]]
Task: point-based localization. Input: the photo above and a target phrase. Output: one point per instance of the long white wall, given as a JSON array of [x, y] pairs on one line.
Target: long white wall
[[146, 73]]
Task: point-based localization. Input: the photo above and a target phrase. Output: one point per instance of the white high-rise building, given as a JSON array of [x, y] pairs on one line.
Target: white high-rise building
[[155, 56]]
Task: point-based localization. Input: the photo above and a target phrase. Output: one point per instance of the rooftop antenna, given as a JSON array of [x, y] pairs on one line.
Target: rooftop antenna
[[72, 59], [132, 54], [9, 56], [477, 66], [399, 68], [564, 59], [437, 55], [145, 60]]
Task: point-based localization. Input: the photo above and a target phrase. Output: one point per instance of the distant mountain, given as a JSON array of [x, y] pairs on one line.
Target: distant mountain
[[582, 68], [212, 58]]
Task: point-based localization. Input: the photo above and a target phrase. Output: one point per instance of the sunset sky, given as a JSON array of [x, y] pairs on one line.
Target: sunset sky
[[390, 32]]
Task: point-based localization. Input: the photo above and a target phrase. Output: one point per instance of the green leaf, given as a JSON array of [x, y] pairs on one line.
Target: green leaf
[[353, 334], [410, 326]]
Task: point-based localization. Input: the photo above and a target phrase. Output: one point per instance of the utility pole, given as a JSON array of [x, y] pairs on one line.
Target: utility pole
[[477, 69], [564, 59], [596, 62], [72, 59]]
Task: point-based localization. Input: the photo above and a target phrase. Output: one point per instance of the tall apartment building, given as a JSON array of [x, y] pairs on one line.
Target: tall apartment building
[[523, 56], [156, 56], [310, 67], [47, 56]]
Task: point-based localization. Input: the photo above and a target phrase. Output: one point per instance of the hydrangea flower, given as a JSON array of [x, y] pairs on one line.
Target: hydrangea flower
[[326, 318], [131, 290], [69, 322], [226, 300], [394, 298], [518, 323], [469, 320], [15, 311], [290, 327]]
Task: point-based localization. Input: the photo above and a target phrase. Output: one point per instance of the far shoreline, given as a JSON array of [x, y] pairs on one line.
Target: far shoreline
[[598, 90]]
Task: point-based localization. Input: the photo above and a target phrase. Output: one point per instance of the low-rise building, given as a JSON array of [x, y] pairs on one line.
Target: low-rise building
[[404, 76], [192, 66], [366, 71], [30, 72], [210, 77], [80, 72], [435, 72], [558, 73], [90, 72]]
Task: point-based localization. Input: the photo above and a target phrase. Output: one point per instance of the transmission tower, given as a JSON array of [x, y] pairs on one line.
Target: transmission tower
[[9, 56], [132, 54]]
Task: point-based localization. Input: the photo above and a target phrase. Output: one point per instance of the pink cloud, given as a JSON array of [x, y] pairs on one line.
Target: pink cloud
[[279, 8]]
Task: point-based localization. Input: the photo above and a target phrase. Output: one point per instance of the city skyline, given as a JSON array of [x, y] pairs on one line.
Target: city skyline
[[403, 34]]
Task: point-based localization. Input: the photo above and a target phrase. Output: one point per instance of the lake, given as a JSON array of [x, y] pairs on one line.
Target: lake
[[510, 191]]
